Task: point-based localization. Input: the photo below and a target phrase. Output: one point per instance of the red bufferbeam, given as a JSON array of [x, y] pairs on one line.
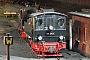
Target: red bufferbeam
[[48, 48]]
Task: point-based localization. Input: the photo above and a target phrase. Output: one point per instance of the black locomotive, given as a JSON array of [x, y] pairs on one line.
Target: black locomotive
[[47, 33]]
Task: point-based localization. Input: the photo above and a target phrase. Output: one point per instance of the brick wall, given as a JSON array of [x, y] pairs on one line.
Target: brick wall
[[84, 44]]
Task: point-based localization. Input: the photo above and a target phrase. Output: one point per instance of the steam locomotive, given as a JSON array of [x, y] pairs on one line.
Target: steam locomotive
[[46, 33]]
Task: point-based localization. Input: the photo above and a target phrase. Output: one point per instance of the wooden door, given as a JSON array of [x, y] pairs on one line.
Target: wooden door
[[83, 37]]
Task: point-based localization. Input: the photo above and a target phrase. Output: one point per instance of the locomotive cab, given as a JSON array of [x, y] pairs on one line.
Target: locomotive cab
[[48, 27]]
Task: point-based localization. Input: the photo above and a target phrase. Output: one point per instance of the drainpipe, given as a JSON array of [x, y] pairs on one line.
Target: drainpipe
[[70, 34]]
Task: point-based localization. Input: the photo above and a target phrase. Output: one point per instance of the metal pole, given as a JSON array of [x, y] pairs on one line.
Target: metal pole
[[70, 31], [7, 52]]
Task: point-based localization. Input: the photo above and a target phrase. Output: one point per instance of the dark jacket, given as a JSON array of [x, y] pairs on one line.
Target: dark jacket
[[24, 16]]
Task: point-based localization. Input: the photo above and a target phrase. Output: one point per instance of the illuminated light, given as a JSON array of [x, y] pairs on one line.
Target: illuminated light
[[40, 37], [51, 27], [61, 37]]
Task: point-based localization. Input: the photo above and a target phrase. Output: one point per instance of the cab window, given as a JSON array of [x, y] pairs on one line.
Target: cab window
[[60, 22]]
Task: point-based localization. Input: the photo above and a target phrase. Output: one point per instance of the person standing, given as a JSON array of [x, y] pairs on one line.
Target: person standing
[[24, 17]]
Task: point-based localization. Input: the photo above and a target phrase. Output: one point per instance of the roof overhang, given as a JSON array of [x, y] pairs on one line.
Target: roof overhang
[[84, 14]]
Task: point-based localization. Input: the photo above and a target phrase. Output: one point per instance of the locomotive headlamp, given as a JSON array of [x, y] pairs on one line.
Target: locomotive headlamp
[[61, 37], [40, 37], [51, 27]]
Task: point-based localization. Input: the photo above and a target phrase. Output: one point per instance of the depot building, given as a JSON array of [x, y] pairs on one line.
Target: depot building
[[81, 32]]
